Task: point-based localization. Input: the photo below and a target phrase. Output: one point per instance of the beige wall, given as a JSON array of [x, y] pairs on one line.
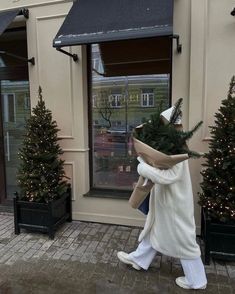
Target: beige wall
[[212, 65], [200, 75]]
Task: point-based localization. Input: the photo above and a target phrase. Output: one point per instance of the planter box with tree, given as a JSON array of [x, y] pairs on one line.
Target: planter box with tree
[[218, 186], [44, 200]]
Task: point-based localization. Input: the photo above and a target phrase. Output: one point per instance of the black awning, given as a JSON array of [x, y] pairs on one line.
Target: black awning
[[93, 21], [6, 17], [134, 57]]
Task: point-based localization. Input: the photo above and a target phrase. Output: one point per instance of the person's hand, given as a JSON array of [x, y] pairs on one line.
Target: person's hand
[[140, 167], [140, 159]]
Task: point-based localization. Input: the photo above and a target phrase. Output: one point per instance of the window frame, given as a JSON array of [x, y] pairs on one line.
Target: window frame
[[5, 97], [117, 98], [142, 97], [98, 192], [27, 102]]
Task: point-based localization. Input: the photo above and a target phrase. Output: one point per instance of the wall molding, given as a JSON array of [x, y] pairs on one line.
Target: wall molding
[[116, 220], [205, 72], [198, 85], [70, 65], [73, 181], [206, 139], [66, 137], [109, 219], [52, 16], [76, 150]]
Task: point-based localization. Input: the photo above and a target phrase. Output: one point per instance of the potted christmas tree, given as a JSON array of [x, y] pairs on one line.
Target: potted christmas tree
[[218, 186], [44, 200]]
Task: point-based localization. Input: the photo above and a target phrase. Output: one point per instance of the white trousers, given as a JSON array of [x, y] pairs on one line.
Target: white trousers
[[193, 268]]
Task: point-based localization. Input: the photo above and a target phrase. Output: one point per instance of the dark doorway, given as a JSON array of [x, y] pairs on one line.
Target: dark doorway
[[15, 108]]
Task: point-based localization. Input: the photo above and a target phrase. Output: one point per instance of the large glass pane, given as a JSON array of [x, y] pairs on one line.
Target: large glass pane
[[120, 103], [15, 110]]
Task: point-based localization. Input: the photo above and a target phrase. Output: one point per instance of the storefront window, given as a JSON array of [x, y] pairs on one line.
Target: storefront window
[[120, 103], [15, 107]]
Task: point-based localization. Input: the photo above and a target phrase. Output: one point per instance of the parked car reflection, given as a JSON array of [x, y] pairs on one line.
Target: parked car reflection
[[118, 134]]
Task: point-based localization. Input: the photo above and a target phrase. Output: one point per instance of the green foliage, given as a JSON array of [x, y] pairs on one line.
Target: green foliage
[[218, 186], [41, 174], [165, 137], [177, 113]]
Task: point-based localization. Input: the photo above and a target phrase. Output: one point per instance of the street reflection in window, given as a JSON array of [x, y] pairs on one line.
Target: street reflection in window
[[120, 103]]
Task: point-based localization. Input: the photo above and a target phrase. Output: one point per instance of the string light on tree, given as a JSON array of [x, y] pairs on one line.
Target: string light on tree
[[41, 174], [218, 192]]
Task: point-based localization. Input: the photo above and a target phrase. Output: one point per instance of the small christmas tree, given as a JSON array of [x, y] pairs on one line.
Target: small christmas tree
[[41, 174], [165, 136], [218, 186]]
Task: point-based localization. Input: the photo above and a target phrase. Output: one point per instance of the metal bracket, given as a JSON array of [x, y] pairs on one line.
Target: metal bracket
[[233, 12], [74, 56], [31, 60], [24, 12], [179, 46]]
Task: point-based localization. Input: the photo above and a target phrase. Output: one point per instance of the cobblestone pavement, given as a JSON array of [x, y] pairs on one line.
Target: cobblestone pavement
[[82, 259]]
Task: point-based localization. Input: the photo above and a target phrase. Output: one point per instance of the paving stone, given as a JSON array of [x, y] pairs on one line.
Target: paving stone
[[47, 245], [65, 257], [111, 229], [230, 269], [132, 241], [225, 289], [107, 255], [103, 228], [212, 279], [219, 265], [38, 254], [13, 258], [135, 233], [117, 244], [6, 256]]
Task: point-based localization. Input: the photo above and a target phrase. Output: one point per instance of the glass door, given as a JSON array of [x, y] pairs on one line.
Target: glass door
[[15, 104]]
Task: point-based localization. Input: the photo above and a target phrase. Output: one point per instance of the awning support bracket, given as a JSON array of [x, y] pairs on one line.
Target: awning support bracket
[[74, 56], [24, 12], [31, 60], [179, 46]]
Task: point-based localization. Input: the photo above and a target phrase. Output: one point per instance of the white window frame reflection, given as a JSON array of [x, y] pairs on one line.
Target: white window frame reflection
[[115, 100], [94, 101], [147, 99], [2, 63], [97, 65], [6, 107], [27, 104]]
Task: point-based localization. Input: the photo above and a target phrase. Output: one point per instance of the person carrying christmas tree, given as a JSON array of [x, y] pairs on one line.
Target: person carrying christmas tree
[[170, 226]]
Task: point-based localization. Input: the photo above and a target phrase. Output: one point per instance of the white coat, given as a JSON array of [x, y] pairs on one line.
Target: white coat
[[170, 222]]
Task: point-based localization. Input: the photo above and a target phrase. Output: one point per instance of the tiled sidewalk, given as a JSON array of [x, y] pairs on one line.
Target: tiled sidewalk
[[82, 259]]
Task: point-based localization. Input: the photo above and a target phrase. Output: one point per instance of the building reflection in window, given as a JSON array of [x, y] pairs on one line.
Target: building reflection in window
[[120, 103]]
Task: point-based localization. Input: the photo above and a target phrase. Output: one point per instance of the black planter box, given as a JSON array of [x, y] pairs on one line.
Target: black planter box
[[219, 239], [44, 217]]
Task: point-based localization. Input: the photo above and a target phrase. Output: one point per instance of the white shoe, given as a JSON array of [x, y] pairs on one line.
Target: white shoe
[[182, 282], [124, 257]]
